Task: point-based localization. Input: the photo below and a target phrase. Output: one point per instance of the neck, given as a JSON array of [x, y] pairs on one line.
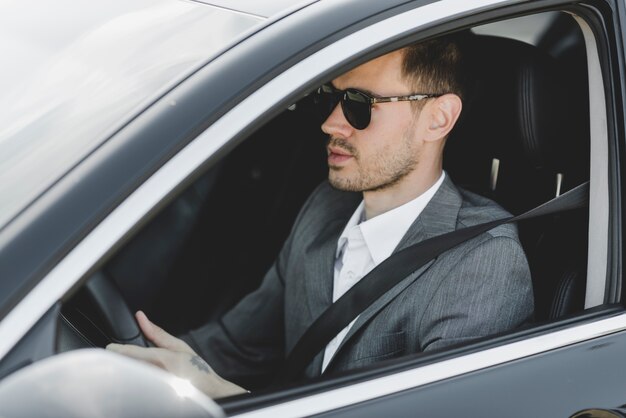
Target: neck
[[415, 184]]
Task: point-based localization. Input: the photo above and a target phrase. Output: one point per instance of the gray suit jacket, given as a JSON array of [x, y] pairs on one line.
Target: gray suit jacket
[[479, 288]]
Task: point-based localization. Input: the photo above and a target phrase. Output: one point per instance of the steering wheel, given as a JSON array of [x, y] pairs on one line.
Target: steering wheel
[[98, 314]]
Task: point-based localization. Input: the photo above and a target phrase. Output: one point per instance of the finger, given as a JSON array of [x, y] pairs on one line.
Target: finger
[[155, 356], [159, 337]]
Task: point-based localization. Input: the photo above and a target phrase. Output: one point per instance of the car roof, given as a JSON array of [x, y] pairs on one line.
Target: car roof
[[74, 72]]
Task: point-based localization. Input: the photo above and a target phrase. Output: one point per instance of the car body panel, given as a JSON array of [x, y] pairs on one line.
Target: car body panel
[[66, 91], [553, 384]]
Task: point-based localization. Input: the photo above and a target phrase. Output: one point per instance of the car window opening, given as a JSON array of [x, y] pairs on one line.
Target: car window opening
[[191, 263]]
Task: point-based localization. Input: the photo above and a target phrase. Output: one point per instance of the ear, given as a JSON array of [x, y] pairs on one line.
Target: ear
[[442, 113]]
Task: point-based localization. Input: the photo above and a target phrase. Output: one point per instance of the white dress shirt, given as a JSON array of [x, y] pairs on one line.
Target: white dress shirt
[[364, 244]]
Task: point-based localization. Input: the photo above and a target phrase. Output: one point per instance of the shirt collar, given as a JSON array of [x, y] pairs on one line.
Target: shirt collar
[[383, 232], [356, 218]]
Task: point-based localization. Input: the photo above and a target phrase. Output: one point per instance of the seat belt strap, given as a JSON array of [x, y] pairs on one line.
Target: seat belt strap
[[395, 269]]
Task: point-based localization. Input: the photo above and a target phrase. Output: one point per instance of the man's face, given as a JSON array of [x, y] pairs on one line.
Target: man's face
[[388, 150]]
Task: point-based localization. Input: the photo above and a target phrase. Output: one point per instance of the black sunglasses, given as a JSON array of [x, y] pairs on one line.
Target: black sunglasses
[[355, 104]]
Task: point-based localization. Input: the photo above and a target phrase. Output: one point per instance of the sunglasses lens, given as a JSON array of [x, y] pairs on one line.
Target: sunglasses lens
[[356, 108], [326, 98]]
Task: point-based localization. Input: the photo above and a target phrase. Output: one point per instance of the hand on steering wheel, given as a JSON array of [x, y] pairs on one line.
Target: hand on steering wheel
[[175, 356]]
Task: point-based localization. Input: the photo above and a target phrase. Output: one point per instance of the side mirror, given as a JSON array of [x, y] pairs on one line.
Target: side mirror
[[95, 382]]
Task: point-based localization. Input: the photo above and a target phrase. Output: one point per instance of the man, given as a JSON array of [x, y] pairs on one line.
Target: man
[[386, 190]]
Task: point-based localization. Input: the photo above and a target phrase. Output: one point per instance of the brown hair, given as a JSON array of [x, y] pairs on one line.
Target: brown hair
[[434, 66]]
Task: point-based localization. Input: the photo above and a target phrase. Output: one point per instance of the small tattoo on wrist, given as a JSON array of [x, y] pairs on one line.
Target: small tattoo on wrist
[[200, 364]]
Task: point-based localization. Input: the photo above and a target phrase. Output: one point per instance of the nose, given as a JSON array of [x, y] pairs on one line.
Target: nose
[[336, 124]]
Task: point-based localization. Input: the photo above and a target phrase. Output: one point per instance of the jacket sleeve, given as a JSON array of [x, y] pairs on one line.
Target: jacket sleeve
[[487, 292], [246, 344]]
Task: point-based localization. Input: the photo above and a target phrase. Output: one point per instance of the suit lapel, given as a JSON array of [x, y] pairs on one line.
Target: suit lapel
[[438, 217], [320, 262], [319, 267], [320, 254]]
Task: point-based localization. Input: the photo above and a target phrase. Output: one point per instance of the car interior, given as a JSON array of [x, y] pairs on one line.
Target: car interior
[[523, 139]]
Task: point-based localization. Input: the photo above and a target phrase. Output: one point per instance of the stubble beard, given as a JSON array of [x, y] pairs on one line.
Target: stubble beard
[[385, 170]]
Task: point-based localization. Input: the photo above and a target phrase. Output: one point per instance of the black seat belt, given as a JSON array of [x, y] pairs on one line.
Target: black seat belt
[[395, 269]]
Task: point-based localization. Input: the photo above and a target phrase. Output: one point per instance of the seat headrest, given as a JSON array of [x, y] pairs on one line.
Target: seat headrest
[[517, 110]]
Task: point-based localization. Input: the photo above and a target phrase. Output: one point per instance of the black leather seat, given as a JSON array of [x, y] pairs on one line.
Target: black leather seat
[[522, 122]]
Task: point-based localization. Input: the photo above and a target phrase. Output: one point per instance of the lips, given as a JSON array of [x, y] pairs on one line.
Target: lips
[[337, 156]]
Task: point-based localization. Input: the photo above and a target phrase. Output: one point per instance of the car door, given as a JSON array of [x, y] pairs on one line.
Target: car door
[[550, 369]]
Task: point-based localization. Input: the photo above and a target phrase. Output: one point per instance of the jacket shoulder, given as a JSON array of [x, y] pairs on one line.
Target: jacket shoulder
[[477, 209]]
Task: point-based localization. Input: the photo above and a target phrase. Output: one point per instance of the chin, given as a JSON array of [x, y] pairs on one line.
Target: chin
[[346, 183], [342, 183]]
